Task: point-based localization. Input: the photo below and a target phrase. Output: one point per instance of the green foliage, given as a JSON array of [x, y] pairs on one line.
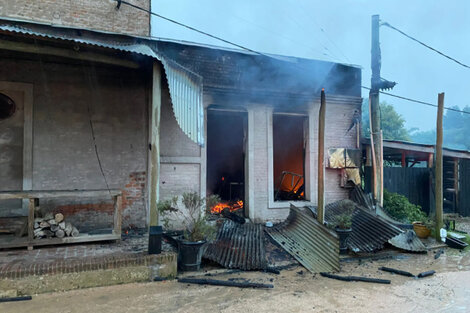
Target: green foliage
[[392, 123], [398, 207], [344, 220], [194, 216]]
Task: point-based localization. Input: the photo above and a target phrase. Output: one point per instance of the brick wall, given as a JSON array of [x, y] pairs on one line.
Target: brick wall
[[339, 117], [180, 158], [93, 14], [63, 149]]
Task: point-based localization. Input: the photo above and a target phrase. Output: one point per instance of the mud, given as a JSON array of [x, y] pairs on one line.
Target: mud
[[295, 290]]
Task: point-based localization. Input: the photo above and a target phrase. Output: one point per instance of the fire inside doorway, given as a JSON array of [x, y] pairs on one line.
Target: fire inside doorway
[[226, 133], [289, 143]]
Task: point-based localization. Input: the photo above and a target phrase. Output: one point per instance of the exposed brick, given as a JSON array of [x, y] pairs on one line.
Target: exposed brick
[[92, 14]]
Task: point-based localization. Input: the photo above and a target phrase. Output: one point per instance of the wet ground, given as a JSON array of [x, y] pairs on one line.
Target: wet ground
[[295, 290]]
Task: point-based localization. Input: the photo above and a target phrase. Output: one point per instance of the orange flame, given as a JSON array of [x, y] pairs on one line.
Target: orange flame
[[219, 207]]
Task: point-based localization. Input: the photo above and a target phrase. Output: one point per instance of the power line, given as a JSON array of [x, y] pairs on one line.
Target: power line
[[417, 101], [256, 52], [188, 27], [427, 46]]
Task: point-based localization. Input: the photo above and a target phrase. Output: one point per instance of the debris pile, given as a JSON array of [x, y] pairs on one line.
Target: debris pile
[[238, 246], [53, 226]]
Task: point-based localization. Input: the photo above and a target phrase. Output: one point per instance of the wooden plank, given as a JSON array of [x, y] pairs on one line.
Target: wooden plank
[[117, 215], [66, 53], [154, 153], [5, 195], [321, 159], [15, 242], [439, 167]]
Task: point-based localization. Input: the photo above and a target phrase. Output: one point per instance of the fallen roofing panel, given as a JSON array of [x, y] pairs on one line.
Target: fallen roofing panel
[[370, 232], [238, 246], [408, 241], [309, 242]]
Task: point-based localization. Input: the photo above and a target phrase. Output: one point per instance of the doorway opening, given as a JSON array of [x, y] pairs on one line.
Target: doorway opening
[[226, 133]]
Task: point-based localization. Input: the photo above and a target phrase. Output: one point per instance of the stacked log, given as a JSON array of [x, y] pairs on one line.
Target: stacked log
[[53, 226]]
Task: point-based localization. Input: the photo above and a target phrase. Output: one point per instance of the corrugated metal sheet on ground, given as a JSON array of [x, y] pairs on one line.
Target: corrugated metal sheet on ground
[[408, 241], [186, 90], [369, 231], [238, 246], [309, 242]]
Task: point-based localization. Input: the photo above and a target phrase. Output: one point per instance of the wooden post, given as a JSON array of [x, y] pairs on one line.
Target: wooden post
[[154, 157], [321, 159], [456, 183], [381, 167], [439, 167], [358, 135], [117, 215], [430, 160], [403, 159], [32, 207]]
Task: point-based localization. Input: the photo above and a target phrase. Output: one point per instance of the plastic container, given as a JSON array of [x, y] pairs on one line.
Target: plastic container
[[421, 230], [190, 254]]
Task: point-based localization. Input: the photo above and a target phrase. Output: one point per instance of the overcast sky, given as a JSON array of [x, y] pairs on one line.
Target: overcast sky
[[340, 31]]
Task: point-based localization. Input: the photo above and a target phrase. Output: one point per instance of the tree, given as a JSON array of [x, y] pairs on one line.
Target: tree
[[392, 123], [456, 129]]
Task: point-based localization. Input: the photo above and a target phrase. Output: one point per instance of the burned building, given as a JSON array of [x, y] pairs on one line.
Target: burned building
[[85, 111], [260, 128]]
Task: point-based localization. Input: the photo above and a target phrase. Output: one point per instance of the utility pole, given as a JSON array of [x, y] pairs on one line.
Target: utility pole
[[439, 167], [375, 127]]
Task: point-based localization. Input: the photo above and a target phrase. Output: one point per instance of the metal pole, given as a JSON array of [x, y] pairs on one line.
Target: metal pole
[[439, 167]]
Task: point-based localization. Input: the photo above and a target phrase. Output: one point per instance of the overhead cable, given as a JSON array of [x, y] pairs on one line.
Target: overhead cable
[[423, 44]]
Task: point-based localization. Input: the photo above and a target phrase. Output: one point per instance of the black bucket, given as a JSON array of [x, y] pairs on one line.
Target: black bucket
[[343, 235], [190, 254]]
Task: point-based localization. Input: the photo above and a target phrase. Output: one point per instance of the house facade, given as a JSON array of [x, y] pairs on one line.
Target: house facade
[[99, 111]]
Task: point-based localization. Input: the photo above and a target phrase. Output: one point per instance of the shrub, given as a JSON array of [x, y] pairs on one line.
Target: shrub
[[194, 217], [344, 220], [398, 207]]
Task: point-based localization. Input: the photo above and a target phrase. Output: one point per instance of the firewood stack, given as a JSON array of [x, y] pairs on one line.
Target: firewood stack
[[53, 226]]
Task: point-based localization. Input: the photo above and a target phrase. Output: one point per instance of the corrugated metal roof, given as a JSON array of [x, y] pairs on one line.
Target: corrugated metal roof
[[238, 246], [186, 92], [370, 232], [186, 89], [312, 244]]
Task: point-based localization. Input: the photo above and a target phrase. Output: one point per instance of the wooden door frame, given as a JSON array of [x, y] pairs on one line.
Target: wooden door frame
[[27, 90]]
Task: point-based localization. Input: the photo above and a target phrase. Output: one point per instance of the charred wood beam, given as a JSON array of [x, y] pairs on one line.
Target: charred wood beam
[[202, 281], [15, 299], [356, 278], [426, 274], [395, 271]]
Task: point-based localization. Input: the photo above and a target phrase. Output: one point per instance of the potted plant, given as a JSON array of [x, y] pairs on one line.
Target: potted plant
[[342, 224], [196, 228]]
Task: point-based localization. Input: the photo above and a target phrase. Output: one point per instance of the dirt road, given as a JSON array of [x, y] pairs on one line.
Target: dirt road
[[295, 290]]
